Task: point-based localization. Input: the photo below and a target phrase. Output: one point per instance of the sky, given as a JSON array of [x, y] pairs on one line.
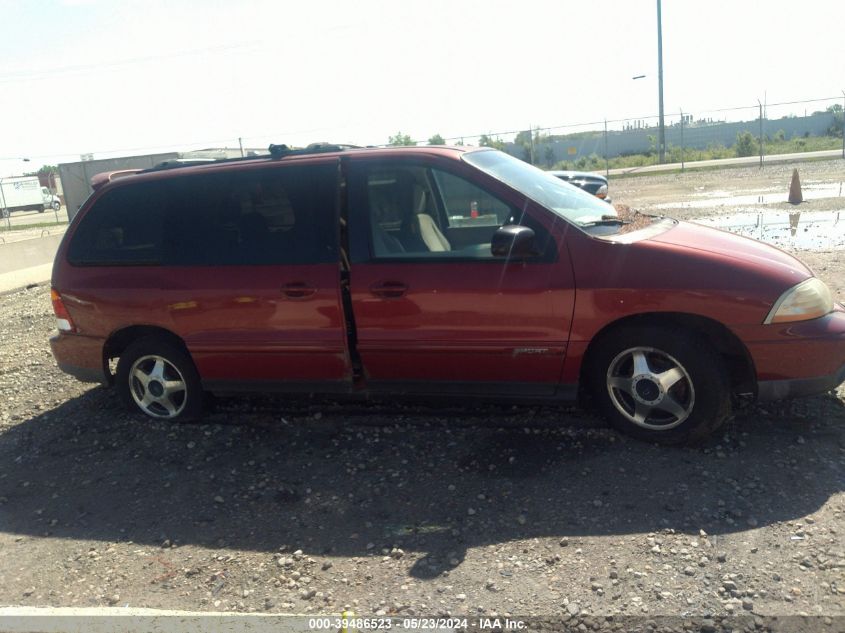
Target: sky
[[120, 77]]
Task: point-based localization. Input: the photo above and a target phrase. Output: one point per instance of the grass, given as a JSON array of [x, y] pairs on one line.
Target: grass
[[5, 228], [771, 147]]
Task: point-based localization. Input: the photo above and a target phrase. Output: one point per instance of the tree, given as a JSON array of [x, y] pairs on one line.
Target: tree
[[44, 170], [549, 154], [437, 140], [746, 144], [486, 141], [400, 139], [523, 138], [837, 127]]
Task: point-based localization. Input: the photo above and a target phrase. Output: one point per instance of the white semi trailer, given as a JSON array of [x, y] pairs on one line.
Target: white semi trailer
[[21, 193]]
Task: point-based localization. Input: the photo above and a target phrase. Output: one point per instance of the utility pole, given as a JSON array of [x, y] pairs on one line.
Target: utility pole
[[662, 133], [531, 133], [606, 159], [761, 133], [682, 139], [843, 124], [241, 144]]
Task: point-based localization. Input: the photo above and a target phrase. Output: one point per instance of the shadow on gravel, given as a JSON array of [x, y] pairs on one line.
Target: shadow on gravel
[[356, 480]]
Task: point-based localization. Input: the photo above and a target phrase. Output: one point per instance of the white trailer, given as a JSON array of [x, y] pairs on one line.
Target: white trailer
[[21, 193]]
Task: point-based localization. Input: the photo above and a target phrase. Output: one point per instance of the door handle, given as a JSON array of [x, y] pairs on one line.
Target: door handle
[[389, 289], [298, 290]]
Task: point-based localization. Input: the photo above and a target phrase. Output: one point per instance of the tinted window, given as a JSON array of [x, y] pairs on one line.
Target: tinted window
[[282, 215], [123, 228]]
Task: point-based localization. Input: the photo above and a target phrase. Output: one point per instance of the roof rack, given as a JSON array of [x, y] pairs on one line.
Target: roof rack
[[181, 162], [276, 152], [280, 151]]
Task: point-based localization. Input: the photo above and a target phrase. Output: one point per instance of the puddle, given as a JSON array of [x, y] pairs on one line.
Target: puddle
[[711, 199], [809, 231]]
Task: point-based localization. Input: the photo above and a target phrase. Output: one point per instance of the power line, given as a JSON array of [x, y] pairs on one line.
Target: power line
[[279, 135]]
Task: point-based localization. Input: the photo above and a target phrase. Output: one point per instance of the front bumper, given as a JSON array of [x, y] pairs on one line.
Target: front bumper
[[798, 359], [768, 390], [80, 356]]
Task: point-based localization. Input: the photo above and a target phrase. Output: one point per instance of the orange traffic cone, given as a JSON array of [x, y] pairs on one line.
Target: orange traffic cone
[[795, 196]]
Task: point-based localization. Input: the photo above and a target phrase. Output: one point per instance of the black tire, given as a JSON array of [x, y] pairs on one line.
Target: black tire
[[619, 377], [41, 210], [56, 206], [165, 400]]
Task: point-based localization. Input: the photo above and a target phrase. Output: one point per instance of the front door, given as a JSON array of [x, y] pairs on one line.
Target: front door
[[434, 310]]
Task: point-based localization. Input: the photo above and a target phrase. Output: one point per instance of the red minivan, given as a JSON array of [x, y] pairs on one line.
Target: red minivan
[[424, 270]]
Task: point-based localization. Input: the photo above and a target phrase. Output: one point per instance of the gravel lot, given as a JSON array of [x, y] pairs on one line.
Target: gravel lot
[[313, 505]]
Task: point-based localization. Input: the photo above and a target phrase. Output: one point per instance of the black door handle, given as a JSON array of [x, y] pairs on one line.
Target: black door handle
[[389, 289], [298, 290]]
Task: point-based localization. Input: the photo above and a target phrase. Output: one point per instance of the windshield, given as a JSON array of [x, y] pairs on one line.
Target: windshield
[[568, 201]]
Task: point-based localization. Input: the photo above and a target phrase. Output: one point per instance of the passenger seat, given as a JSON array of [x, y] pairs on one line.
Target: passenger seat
[[434, 239]]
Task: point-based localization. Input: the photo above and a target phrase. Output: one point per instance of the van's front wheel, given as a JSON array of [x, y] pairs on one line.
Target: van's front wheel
[[660, 385], [160, 380]]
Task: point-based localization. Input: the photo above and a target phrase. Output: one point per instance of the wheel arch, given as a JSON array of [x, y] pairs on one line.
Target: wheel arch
[[120, 339], [742, 373]]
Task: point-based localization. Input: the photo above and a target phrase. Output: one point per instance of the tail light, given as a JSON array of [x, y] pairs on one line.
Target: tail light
[[602, 192], [63, 320]]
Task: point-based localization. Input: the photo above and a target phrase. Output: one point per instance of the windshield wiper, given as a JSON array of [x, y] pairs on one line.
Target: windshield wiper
[[606, 220]]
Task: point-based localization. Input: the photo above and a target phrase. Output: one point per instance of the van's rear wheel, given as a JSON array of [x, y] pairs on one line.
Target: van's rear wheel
[[159, 379], [660, 385]]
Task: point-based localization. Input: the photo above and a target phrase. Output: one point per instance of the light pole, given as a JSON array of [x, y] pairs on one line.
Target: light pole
[[761, 133], [662, 132]]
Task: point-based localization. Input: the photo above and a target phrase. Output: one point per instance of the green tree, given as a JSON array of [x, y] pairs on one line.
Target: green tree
[[400, 140], [523, 138], [487, 141], [746, 144], [836, 128], [437, 140], [549, 154], [44, 170]]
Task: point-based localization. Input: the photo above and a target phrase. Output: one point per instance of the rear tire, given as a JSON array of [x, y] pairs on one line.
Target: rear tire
[[659, 384], [159, 379]]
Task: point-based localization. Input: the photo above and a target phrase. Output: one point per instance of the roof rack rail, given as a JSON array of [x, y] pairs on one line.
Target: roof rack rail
[[281, 150], [182, 162]]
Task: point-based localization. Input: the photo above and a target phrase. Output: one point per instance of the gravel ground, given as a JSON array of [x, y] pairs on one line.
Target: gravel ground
[[314, 505]]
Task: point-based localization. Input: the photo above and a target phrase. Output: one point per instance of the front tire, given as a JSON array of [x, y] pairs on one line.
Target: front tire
[[159, 379], [659, 384], [56, 206]]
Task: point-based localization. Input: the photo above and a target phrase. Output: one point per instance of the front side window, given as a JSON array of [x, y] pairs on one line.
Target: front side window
[[420, 212]]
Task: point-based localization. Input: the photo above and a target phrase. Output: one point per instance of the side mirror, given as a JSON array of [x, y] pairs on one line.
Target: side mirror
[[513, 241]]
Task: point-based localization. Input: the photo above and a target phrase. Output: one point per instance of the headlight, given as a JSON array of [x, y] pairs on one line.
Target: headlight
[[808, 300]]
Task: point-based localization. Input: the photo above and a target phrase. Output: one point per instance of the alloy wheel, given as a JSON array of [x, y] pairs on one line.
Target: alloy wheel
[[157, 387], [650, 388]]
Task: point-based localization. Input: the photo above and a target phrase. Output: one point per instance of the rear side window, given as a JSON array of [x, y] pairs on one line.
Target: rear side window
[[280, 215], [122, 228]]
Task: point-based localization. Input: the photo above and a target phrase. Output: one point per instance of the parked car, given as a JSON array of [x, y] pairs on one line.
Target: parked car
[[363, 271], [595, 184]]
